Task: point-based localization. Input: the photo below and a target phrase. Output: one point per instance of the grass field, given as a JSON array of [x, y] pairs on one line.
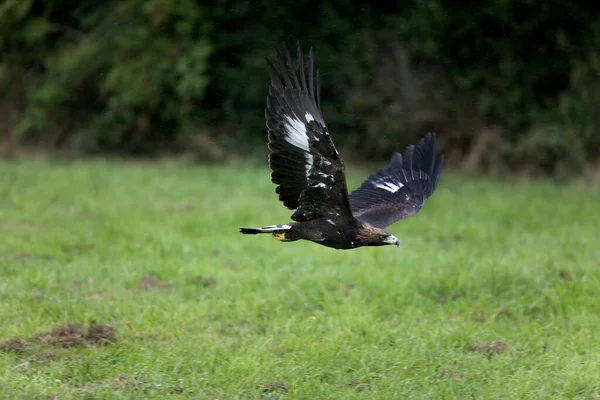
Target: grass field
[[494, 292]]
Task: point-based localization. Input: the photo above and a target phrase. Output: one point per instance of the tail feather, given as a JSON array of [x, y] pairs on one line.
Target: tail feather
[[266, 229]]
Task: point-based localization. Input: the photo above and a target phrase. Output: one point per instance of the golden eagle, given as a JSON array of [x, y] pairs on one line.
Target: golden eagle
[[311, 176]]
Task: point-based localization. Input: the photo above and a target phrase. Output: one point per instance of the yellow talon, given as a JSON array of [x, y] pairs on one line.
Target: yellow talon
[[281, 237]]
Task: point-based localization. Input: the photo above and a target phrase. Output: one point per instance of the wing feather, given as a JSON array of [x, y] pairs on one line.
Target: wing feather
[[401, 189], [306, 167]]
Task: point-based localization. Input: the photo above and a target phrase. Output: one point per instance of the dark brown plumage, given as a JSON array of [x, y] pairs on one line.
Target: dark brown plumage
[[311, 178]]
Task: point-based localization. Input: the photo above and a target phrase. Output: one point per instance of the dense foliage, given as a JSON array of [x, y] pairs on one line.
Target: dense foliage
[[502, 82]]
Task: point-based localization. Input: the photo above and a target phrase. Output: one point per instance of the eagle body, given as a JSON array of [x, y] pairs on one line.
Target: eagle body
[[330, 232], [310, 174]]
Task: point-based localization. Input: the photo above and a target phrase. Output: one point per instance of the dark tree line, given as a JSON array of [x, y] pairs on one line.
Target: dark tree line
[[503, 83]]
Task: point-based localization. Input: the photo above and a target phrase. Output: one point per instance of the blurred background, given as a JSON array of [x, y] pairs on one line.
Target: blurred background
[[509, 86]]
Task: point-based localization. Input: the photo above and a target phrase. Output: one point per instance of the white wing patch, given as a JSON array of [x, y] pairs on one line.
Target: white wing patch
[[296, 133], [308, 117], [391, 187], [296, 136], [275, 227]]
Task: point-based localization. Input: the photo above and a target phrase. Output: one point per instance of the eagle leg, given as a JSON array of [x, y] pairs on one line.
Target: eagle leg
[[281, 237], [287, 236]]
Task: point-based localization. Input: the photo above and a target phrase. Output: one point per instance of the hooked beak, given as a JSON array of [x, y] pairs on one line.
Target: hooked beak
[[392, 240]]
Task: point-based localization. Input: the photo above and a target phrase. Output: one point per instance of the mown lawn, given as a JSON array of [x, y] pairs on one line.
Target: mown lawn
[[494, 292]]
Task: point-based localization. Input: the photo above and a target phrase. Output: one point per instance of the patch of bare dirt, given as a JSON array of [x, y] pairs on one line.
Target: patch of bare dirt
[[496, 347], [78, 248], [479, 316], [66, 335], [100, 334], [22, 255], [178, 389], [230, 265], [13, 226], [276, 386], [80, 282], [450, 239], [14, 345], [348, 287], [205, 281], [71, 335], [503, 312], [446, 298], [565, 275], [447, 373], [35, 295], [358, 385], [121, 382], [149, 282], [45, 356]]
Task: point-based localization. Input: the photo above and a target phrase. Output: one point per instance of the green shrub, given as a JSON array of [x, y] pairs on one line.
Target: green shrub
[[504, 83], [134, 77]]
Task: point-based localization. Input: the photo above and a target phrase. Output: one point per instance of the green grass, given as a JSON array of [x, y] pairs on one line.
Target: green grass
[[510, 262]]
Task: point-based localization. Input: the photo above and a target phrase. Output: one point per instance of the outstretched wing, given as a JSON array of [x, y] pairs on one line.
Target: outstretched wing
[[304, 162], [400, 190]]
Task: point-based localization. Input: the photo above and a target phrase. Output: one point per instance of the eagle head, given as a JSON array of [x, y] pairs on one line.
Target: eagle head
[[370, 236]]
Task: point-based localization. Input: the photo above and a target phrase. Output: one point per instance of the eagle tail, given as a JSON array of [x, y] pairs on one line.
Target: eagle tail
[[266, 229]]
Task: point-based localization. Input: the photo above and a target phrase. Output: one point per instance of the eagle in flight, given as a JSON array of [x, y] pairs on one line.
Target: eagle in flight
[[310, 174]]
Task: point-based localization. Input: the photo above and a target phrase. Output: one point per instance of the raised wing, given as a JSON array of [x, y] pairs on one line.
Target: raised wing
[[305, 164], [400, 190]]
